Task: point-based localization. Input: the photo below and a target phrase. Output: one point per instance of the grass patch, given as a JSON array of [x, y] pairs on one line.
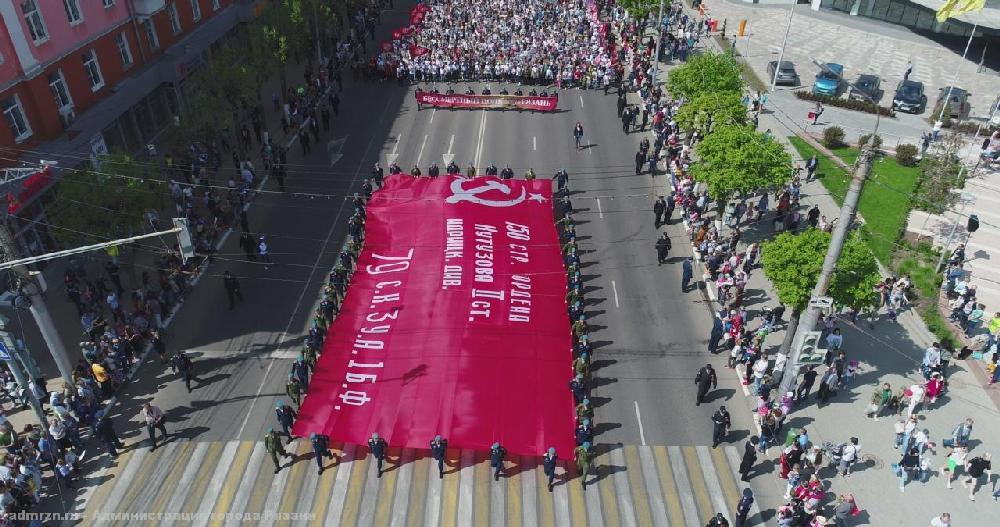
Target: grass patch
[[885, 200], [919, 262], [749, 75]]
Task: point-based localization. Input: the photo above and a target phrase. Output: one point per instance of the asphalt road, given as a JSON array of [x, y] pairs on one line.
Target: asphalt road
[[650, 338]]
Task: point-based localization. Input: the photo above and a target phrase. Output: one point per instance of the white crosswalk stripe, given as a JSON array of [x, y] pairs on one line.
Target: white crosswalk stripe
[[237, 477]]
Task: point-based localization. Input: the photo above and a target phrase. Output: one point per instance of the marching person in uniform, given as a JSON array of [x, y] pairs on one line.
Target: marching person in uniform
[[721, 422], [321, 449], [705, 380], [439, 447], [272, 443], [663, 246], [497, 455], [582, 455], [377, 447], [549, 465], [286, 417]]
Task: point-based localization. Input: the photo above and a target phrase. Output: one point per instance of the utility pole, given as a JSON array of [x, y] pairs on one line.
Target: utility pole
[[781, 54], [659, 39], [30, 288], [810, 317], [11, 356]]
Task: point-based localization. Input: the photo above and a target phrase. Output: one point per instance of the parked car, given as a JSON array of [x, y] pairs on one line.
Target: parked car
[[828, 79], [958, 103], [909, 97], [786, 73], [866, 88]]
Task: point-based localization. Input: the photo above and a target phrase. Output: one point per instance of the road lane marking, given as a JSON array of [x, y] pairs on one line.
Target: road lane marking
[[600, 211], [466, 475], [479, 145], [638, 418], [395, 147], [614, 289], [581, 101], [710, 471], [432, 114], [680, 473], [649, 474], [421, 153], [622, 490], [534, 142], [340, 485]]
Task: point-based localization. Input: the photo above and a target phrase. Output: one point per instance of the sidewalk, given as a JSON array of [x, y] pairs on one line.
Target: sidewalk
[[889, 352]]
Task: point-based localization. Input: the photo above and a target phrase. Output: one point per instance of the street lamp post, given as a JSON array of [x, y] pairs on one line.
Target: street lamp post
[[784, 41], [659, 39]]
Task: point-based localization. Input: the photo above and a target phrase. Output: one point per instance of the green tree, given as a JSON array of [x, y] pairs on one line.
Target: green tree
[[105, 204], [940, 176], [708, 72], [640, 8], [792, 262], [710, 109], [736, 159]]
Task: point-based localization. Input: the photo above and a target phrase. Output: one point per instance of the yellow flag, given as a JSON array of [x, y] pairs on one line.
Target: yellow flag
[[957, 7]]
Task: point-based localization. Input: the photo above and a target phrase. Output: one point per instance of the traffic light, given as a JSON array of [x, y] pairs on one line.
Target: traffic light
[[184, 238], [973, 224], [810, 352]]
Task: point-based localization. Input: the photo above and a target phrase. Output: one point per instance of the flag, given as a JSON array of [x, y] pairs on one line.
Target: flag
[[957, 7]]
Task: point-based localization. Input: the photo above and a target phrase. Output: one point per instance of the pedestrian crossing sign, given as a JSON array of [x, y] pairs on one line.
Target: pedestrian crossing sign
[[4, 352]]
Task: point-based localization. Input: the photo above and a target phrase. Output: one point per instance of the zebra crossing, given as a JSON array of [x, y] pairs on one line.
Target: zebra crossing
[[228, 483]]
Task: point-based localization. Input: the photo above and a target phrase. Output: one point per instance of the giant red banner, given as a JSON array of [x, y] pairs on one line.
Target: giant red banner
[[456, 100], [455, 323]]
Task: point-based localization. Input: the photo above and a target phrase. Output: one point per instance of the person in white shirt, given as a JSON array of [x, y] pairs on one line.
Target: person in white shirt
[[848, 456], [944, 520], [155, 419]]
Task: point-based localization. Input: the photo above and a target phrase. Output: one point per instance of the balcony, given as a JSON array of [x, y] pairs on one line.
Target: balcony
[[146, 8]]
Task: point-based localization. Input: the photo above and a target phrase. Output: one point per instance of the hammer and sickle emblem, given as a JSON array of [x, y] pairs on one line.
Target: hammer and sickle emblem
[[459, 193]]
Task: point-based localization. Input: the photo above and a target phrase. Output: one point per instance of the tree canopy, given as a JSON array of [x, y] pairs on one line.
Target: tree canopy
[[736, 159], [107, 203], [715, 108], [640, 8], [705, 73], [792, 262]]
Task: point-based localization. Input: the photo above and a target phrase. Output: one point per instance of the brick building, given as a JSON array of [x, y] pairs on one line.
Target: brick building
[[81, 77]]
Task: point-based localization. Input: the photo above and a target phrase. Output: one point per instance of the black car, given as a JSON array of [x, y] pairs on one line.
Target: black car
[[909, 97], [786, 73], [866, 88]]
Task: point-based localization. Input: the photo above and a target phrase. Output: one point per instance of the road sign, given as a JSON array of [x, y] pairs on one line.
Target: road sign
[[4, 352], [821, 302]]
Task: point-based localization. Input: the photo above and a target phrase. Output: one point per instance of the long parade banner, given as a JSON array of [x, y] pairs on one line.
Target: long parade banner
[[455, 322], [456, 100]]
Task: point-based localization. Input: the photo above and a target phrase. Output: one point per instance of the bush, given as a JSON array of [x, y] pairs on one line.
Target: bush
[[863, 140], [861, 106], [936, 113], [906, 155], [833, 137]]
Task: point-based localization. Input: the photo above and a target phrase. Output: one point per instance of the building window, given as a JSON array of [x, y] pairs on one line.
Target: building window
[[196, 10], [33, 19], [216, 5], [59, 90], [175, 21], [93, 70], [123, 50], [108, 3], [16, 121], [73, 12], [147, 25]]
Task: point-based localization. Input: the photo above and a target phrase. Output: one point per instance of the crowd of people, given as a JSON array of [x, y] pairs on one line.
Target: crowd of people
[[559, 42]]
